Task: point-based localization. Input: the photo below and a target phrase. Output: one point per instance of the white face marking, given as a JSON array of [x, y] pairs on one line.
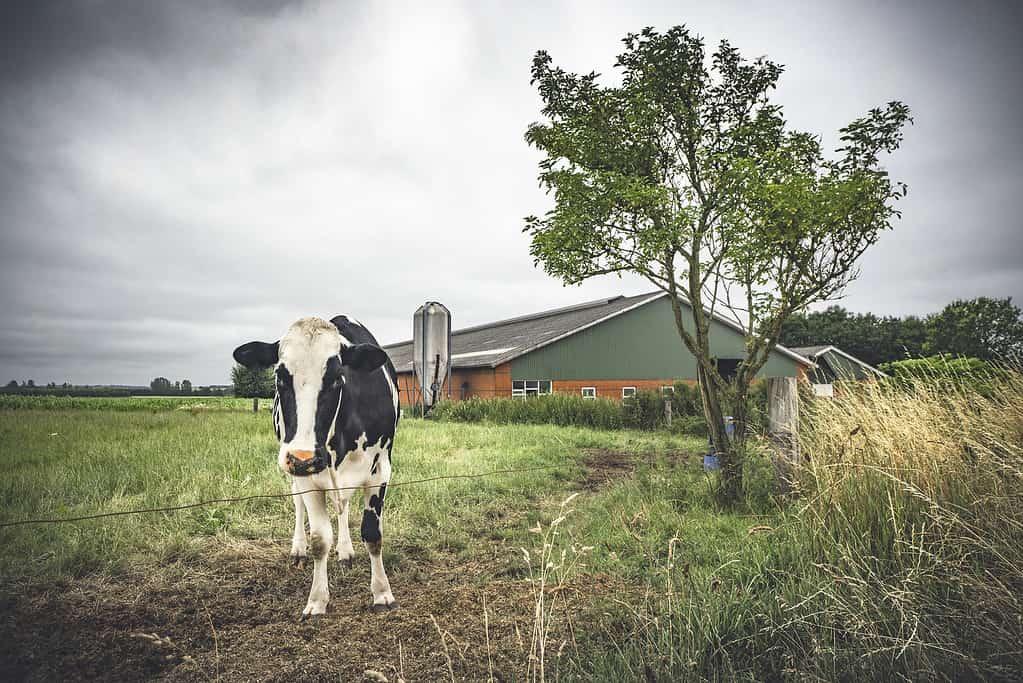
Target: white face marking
[[304, 351]]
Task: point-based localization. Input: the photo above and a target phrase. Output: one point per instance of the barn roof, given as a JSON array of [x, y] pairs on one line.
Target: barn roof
[[819, 354], [494, 343]]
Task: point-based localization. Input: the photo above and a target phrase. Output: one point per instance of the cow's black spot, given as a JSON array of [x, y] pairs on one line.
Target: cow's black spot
[[286, 394], [370, 526], [376, 459], [328, 399]]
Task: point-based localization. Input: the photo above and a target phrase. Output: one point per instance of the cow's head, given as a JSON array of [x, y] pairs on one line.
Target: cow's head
[[310, 386]]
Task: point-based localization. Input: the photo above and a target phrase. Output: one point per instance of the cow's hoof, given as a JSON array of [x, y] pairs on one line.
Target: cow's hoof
[[385, 608], [314, 609], [298, 561], [306, 616]]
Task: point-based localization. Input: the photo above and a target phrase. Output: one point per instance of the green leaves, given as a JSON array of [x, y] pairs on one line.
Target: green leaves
[[686, 174]]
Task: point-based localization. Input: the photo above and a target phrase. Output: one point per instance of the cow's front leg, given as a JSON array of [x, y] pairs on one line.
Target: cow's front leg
[[372, 535], [345, 551], [321, 538], [298, 539]]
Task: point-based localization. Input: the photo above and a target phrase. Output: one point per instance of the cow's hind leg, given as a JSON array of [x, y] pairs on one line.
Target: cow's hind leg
[[298, 540], [372, 535], [321, 538]]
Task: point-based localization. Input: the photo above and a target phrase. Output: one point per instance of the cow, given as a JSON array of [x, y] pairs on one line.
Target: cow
[[335, 413]]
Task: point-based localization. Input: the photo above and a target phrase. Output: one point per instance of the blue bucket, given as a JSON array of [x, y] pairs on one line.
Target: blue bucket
[[710, 460]]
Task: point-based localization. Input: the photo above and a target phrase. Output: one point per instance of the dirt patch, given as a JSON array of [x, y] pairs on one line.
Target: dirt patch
[[604, 466], [235, 617]]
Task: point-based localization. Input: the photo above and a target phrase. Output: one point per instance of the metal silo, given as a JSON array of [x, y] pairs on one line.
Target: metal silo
[[431, 351]]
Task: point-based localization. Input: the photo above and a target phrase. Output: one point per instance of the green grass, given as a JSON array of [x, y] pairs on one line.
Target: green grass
[[901, 557], [71, 462]]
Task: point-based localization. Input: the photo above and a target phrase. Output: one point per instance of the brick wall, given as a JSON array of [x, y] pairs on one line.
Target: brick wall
[[611, 388], [491, 382], [481, 382]]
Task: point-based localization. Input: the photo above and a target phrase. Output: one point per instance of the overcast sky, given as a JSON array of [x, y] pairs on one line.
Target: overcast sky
[[177, 178]]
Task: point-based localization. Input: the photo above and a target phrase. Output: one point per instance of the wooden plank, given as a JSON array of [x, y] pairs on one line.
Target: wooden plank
[[783, 416]]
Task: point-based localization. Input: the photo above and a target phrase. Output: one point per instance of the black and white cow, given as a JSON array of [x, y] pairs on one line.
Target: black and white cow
[[335, 413]]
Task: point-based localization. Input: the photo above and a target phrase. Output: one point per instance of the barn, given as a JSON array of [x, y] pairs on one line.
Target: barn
[[610, 347], [835, 364]]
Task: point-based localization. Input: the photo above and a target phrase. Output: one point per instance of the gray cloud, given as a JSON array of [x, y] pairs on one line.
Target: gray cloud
[[177, 178]]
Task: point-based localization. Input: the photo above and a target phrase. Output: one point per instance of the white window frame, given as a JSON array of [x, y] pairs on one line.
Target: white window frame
[[531, 387], [590, 389], [624, 395], [668, 389]]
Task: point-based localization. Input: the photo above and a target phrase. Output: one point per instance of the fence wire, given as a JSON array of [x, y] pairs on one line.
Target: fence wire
[[260, 496]]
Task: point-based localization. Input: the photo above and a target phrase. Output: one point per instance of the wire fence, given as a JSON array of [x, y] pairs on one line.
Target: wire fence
[[261, 496]]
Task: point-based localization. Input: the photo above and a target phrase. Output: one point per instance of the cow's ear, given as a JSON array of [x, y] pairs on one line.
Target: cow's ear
[[363, 357], [257, 354]]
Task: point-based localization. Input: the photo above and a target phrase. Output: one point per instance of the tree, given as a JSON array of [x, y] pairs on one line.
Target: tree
[[160, 385], [686, 175], [31, 384], [871, 339], [990, 329], [252, 382], [186, 386], [13, 384]]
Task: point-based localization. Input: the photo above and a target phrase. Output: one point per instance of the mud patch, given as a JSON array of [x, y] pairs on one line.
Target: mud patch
[[235, 617], [604, 466]]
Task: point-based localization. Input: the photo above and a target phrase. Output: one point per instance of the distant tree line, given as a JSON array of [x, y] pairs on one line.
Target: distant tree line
[[984, 328], [160, 386]]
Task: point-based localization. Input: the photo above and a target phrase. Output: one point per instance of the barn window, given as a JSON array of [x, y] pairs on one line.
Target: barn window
[[530, 387], [628, 391], [589, 392]]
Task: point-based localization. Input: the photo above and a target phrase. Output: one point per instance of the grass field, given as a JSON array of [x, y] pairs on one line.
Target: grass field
[[899, 557], [69, 462]]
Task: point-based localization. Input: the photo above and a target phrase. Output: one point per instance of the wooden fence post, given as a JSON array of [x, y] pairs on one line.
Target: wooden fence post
[[667, 411], [255, 404], [783, 426]]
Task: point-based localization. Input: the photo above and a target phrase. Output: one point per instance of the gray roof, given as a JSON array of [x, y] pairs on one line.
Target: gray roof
[[810, 351], [813, 352], [489, 345]]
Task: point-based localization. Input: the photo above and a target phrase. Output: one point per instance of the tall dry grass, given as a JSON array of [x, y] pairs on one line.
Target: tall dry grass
[[900, 557], [915, 509]]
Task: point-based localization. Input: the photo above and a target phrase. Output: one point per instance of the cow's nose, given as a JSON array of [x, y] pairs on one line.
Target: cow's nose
[[297, 462], [300, 456]]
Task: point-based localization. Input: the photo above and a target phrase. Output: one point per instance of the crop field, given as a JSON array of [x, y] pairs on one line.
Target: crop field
[[898, 554]]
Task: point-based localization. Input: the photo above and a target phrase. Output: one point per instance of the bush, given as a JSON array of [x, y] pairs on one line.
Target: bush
[[559, 409], [690, 425], [644, 410], [947, 371]]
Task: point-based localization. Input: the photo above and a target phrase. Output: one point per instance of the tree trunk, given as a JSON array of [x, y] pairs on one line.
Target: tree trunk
[[740, 416], [731, 465]]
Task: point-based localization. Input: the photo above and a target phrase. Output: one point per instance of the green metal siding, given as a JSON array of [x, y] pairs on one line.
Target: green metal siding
[[639, 344]]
